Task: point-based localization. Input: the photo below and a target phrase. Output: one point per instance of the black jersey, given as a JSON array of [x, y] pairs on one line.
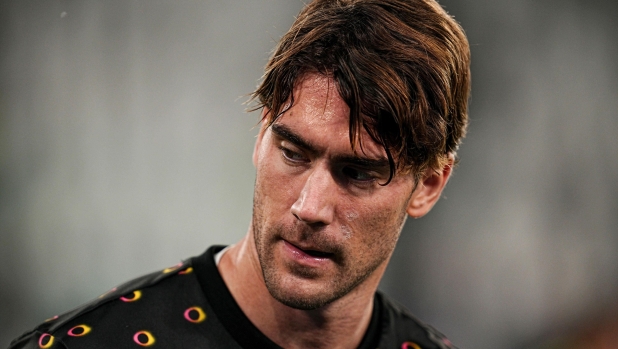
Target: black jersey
[[189, 306]]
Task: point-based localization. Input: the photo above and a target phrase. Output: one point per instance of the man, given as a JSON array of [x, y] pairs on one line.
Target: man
[[364, 103]]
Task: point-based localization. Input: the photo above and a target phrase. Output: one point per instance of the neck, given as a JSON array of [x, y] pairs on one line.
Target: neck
[[340, 324]]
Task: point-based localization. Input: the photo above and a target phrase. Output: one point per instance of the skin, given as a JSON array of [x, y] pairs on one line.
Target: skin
[[323, 228]]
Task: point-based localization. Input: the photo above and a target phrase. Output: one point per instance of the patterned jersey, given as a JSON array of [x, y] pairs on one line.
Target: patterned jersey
[[189, 306]]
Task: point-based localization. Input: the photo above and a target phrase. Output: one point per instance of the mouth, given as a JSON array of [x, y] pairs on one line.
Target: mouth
[[307, 252], [317, 254]]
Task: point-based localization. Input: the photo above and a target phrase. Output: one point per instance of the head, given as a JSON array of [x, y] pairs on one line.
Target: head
[[364, 104]]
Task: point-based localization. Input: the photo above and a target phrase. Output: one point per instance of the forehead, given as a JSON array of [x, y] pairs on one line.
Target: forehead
[[317, 99], [320, 115]]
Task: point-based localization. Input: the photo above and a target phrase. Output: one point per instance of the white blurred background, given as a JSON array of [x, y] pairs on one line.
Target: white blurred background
[[124, 147]]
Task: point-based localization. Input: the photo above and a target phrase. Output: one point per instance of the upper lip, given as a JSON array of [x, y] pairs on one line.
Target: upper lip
[[309, 247]]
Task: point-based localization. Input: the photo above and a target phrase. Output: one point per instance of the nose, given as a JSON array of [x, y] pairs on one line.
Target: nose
[[315, 204]]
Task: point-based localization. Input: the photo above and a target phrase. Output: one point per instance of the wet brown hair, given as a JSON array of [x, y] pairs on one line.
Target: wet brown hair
[[402, 66]]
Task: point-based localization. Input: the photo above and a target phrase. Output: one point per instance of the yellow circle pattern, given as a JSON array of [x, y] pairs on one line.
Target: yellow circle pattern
[[150, 340], [85, 330], [201, 315], [43, 343], [137, 294]]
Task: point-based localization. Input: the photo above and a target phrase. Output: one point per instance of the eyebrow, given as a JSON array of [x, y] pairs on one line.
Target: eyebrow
[[286, 133], [367, 163]]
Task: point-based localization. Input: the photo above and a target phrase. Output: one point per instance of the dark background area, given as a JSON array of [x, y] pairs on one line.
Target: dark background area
[[124, 148]]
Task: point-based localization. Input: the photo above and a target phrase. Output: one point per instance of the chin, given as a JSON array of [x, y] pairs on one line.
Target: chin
[[302, 303], [305, 294], [300, 300]]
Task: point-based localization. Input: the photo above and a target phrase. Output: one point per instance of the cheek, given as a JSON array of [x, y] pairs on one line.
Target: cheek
[[378, 224], [278, 190], [349, 218]]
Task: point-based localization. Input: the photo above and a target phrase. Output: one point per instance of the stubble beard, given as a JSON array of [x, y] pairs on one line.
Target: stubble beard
[[348, 277]]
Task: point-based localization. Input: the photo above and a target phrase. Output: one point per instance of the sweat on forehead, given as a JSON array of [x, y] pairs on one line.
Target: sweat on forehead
[[318, 105], [317, 102], [321, 97]]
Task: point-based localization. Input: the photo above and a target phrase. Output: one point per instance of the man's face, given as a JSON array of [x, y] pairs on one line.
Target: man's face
[[322, 222]]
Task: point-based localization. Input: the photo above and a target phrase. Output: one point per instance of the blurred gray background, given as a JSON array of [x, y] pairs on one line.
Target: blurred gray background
[[124, 147]]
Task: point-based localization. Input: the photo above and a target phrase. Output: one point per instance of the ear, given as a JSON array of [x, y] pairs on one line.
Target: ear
[[429, 189], [259, 138]]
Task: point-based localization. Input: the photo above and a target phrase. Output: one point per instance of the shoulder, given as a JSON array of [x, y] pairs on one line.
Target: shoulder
[[124, 314], [403, 330]]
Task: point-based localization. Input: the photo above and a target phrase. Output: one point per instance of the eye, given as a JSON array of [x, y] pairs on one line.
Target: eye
[[357, 175], [292, 156]]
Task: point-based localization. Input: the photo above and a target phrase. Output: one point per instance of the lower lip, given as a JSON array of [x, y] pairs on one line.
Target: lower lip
[[302, 257]]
